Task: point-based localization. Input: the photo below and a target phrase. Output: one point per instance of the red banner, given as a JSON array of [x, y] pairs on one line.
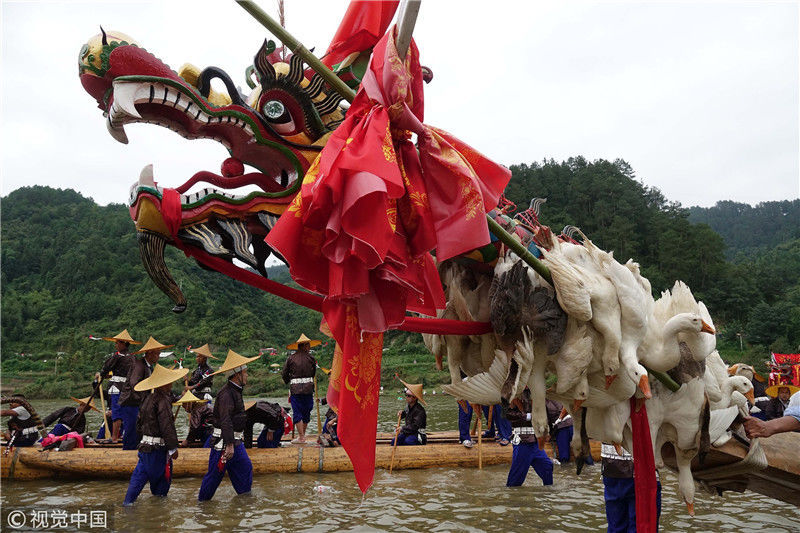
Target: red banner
[[644, 470], [360, 231], [362, 26]]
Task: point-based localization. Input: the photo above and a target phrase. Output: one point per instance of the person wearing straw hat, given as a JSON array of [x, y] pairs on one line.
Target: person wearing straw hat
[[70, 418], [159, 445], [228, 453], [413, 432], [780, 395], [298, 373], [202, 378], [129, 397], [22, 426], [201, 422], [526, 448], [272, 416], [117, 364]]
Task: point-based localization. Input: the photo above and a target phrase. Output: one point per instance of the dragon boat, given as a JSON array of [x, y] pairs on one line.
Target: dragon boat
[[111, 462]]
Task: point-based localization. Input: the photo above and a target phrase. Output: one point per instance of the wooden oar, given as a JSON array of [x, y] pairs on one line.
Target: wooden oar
[[396, 438]]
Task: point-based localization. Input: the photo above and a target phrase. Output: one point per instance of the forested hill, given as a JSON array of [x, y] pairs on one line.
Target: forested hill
[[70, 268], [751, 229]]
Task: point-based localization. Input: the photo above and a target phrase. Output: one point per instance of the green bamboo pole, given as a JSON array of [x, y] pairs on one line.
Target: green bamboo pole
[[297, 48], [519, 249], [664, 378]]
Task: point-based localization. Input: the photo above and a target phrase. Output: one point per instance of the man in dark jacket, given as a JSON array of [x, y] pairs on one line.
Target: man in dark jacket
[[201, 422], [298, 373], [69, 418], [413, 432], [159, 443], [780, 395], [230, 420], [526, 448], [202, 378], [118, 365], [272, 416], [129, 398], [561, 429]]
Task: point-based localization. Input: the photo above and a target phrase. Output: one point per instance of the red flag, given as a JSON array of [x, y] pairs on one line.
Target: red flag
[[644, 470], [363, 25]]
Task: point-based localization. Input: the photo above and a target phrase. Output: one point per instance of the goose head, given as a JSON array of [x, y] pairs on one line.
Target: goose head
[[743, 386]]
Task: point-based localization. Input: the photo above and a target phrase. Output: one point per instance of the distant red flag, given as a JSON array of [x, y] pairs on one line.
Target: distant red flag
[[363, 25]]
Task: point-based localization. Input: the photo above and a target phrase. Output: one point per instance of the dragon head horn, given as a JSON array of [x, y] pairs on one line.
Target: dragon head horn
[[105, 38]]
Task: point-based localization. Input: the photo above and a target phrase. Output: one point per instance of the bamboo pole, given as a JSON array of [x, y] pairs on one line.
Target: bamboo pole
[[297, 48], [396, 438], [480, 439], [316, 400], [407, 18], [489, 417], [105, 417]]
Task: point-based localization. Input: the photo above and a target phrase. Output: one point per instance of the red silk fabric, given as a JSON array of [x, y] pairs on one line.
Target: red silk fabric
[[362, 26], [644, 471], [360, 231]]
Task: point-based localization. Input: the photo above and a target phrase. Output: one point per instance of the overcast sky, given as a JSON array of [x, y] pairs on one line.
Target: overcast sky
[[700, 98]]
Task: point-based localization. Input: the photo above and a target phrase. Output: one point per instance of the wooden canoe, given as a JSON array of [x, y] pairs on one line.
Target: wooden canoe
[[98, 462]]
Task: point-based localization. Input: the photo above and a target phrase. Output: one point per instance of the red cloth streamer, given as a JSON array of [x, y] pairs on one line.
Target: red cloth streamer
[[362, 25], [168, 469], [171, 211], [644, 470], [437, 326]]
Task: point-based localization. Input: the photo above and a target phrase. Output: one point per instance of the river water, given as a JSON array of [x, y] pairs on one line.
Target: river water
[[438, 499]]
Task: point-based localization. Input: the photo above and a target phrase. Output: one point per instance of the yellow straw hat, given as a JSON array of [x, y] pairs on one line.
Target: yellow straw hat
[[301, 340], [188, 397], [772, 391], [84, 401], [124, 336], [161, 376], [234, 361], [248, 405], [204, 350], [153, 344], [415, 389]]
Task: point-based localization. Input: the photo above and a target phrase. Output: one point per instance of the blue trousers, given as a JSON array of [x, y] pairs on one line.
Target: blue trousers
[[113, 402], [463, 423], [274, 442], [27, 440], [59, 429], [130, 439], [526, 455], [150, 468], [563, 438], [407, 440], [499, 423], [238, 467], [101, 433], [621, 504], [301, 407]]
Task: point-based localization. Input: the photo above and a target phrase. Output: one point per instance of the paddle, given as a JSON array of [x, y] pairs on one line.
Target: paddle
[[396, 438], [316, 400], [479, 412]]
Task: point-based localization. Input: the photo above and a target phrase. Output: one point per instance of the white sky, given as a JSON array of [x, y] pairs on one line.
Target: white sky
[[700, 98]]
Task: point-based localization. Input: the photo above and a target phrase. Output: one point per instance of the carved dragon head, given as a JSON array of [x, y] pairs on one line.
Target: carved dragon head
[[277, 130]]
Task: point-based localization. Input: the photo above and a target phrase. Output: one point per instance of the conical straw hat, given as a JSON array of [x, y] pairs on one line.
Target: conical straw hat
[[772, 391], [234, 360], [248, 405], [124, 336], [84, 401], [188, 398], [415, 389], [153, 344], [204, 350], [301, 340], [160, 377]]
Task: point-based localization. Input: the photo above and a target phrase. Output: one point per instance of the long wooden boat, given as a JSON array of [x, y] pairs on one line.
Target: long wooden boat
[[769, 466], [442, 450]]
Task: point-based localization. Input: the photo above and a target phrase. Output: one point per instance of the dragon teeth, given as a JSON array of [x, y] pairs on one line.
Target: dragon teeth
[[124, 98], [117, 132]]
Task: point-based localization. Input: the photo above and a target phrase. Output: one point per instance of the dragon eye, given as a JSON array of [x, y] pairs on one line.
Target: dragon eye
[[274, 109]]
